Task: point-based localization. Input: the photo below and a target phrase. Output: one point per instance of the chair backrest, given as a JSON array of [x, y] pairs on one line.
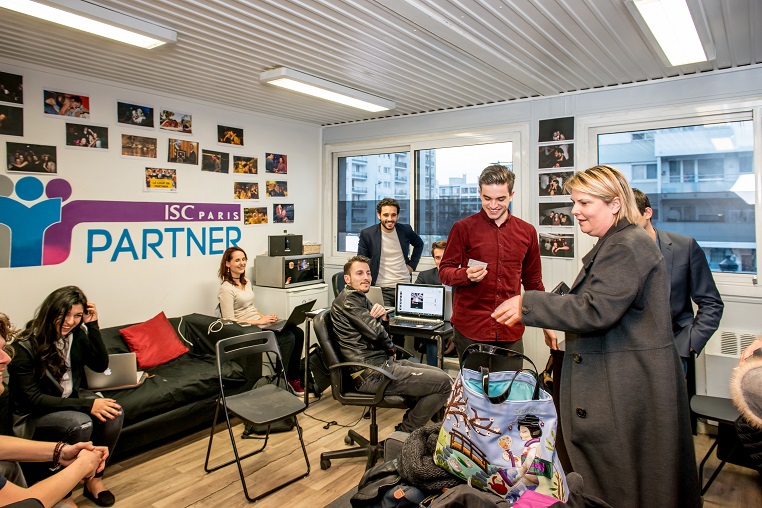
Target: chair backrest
[[324, 331], [248, 344], [337, 283]]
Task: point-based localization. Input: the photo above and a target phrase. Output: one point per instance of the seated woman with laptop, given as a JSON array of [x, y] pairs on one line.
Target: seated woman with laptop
[[49, 403], [236, 298]]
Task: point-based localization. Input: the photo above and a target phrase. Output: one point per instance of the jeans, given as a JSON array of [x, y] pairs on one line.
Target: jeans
[[429, 386], [497, 363], [70, 427]]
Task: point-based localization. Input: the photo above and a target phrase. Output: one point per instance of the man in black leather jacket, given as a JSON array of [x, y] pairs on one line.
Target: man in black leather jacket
[[362, 337]]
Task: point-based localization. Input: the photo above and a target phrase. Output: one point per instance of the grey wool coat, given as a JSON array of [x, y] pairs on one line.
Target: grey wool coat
[[624, 404]]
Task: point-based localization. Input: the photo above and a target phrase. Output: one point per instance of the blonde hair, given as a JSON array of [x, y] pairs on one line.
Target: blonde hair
[[606, 183]]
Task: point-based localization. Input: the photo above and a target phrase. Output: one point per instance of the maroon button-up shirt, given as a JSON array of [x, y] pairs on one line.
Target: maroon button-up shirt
[[512, 254]]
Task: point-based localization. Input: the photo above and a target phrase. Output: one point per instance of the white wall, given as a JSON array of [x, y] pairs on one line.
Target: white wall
[[127, 290]]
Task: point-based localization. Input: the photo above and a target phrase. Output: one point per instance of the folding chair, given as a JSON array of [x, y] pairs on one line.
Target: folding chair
[[263, 405]]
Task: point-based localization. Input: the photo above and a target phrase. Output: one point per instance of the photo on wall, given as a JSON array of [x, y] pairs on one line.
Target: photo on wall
[[160, 180], [557, 129], [283, 213], [24, 158], [557, 156], [552, 183], [556, 214], [255, 215], [182, 151], [86, 136], [230, 135], [11, 120], [134, 114], [11, 88], [557, 246], [276, 189], [245, 165], [245, 190], [139, 146], [276, 163], [215, 162], [62, 104], [175, 121]]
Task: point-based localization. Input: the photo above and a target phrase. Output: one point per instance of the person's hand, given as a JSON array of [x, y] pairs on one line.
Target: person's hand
[[509, 312], [70, 452], [409, 268], [91, 313], [749, 351], [104, 409], [550, 338], [476, 273], [93, 461], [378, 311]]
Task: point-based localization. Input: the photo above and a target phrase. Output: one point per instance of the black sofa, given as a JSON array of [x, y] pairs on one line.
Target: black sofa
[[179, 395]]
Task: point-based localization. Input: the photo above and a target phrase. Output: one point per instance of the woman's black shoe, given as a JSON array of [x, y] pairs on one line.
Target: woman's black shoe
[[105, 497]]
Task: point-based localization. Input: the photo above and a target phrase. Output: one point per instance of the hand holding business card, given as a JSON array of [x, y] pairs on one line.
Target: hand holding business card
[[476, 270]]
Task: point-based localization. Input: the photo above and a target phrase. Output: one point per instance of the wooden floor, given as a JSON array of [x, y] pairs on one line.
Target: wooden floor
[[172, 476]]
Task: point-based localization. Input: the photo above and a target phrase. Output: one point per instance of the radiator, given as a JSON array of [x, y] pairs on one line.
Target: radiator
[[722, 354]]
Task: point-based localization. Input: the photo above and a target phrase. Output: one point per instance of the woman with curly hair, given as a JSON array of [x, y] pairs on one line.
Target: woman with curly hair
[[48, 386]]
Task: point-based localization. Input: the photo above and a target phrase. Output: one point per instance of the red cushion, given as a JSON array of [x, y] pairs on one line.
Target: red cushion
[[154, 342]]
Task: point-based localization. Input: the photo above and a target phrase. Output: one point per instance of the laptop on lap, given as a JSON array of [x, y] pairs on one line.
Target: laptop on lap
[[122, 372], [297, 317], [419, 306], [376, 296]]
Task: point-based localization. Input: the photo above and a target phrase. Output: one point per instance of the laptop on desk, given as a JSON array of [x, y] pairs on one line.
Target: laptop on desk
[[122, 372], [419, 306], [376, 296], [297, 317]]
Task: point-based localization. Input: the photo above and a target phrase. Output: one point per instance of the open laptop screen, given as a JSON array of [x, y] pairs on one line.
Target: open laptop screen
[[420, 301]]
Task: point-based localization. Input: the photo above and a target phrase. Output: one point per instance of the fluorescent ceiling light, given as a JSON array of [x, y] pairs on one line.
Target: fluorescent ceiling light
[[95, 19], [670, 23], [324, 89]]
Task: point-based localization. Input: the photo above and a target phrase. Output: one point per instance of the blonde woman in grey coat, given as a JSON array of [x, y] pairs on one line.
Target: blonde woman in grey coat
[[624, 406]]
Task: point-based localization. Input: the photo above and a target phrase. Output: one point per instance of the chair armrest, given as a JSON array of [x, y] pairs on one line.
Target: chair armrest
[[381, 391], [400, 353]]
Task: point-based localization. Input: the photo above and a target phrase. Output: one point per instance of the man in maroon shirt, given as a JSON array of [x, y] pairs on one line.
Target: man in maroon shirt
[[510, 249]]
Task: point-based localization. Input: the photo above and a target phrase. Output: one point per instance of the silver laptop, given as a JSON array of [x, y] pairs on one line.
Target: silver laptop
[[297, 317], [448, 303], [419, 306], [122, 372], [376, 296]]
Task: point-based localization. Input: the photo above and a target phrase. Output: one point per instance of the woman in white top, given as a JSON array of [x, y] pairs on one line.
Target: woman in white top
[[236, 299]]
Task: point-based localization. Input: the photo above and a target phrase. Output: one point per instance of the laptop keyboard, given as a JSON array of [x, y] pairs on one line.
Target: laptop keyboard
[[413, 322]]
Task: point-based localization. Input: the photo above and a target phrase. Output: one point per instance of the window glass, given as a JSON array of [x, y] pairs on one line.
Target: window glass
[[702, 186]]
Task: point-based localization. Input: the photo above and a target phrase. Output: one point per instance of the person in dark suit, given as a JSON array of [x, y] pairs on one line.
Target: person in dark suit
[[690, 278], [431, 276]]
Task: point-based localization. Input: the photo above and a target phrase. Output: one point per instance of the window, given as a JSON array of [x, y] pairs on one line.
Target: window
[[700, 178]]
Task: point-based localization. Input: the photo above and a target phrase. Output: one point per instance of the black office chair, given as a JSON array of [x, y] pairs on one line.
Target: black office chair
[[264, 405], [343, 390], [337, 283]]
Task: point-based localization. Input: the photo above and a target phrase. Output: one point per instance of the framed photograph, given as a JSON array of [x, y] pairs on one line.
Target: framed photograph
[[276, 189], [245, 165], [276, 163], [62, 104], [552, 183], [230, 135], [24, 158], [134, 114], [557, 129], [215, 162], [556, 214], [182, 151], [557, 156], [245, 190], [175, 121], [283, 213], [556, 246], [11, 88], [86, 136], [255, 215], [139, 146], [11, 120], [160, 180]]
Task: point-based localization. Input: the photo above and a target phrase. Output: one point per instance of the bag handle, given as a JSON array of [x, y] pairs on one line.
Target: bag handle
[[485, 371]]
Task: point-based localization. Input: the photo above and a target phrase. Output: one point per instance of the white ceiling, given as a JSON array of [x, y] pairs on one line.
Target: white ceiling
[[427, 55]]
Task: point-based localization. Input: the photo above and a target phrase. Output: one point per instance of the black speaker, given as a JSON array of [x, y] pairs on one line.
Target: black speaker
[[284, 245]]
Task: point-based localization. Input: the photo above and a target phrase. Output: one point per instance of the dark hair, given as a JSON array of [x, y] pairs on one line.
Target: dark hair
[[43, 329], [352, 260], [224, 272], [532, 423], [439, 244], [7, 331], [387, 202], [641, 200], [497, 174]]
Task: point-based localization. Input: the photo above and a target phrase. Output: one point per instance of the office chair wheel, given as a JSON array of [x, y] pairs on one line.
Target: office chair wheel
[[348, 440], [325, 464]]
